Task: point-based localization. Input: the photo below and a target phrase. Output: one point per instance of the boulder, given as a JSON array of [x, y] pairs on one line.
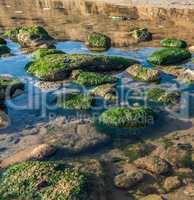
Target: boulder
[[139, 72], [171, 183], [173, 43], [89, 79], [141, 35], [98, 41], [153, 164], [168, 56]]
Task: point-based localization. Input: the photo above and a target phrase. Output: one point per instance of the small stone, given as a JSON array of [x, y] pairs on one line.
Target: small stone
[[172, 183]]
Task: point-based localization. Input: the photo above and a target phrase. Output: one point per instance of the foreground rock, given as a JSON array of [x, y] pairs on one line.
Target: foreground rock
[[141, 35], [40, 53], [59, 67], [89, 79], [173, 43], [98, 42], [32, 36], [10, 87], [138, 72], [51, 180], [168, 56], [153, 164], [107, 92]]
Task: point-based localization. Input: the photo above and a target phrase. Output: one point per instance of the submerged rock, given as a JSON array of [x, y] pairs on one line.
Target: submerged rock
[[10, 87], [168, 56], [91, 78], [173, 43], [45, 180], [142, 73], [164, 96], [4, 50], [106, 91], [126, 117], [59, 67], [98, 42], [40, 53], [31, 36], [141, 34]]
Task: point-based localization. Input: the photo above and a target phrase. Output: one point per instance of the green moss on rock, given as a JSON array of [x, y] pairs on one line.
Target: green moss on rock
[[142, 73], [98, 41], [169, 56], [126, 117], [4, 50], [141, 34], [163, 96], [40, 53], [77, 102], [2, 41], [173, 43], [58, 66], [42, 181], [91, 78]]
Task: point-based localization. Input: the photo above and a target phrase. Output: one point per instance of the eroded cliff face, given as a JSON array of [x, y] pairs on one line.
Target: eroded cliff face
[[73, 19]]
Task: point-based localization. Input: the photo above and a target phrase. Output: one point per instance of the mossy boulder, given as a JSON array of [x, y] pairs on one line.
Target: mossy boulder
[[173, 43], [141, 34], [2, 41], [98, 41], [4, 49], [77, 102], [139, 72], [106, 91], [58, 66], [30, 36], [88, 79], [43, 180], [164, 96], [168, 56], [10, 87], [40, 53], [126, 117]]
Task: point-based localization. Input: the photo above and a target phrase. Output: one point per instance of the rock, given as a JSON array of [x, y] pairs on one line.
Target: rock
[[4, 50], [173, 43], [4, 120], [152, 197], [78, 102], [168, 56], [191, 48], [46, 85], [10, 87], [106, 91], [126, 117], [139, 72], [164, 96], [98, 41], [89, 79], [129, 179], [59, 66], [141, 35], [153, 164], [75, 137], [172, 183], [2, 41], [189, 190], [40, 53], [31, 36]]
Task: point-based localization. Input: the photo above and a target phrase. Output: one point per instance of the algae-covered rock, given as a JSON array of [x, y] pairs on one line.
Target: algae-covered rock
[[142, 73], [141, 34], [40, 53], [164, 96], [107, 92], [10, 87], [43, 180], [173, 43], [77, 101], [58, 66], [126, 117], [2, 41], [168, 56], [4, 49], [98, 41], [91, 78], [30, 36]]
